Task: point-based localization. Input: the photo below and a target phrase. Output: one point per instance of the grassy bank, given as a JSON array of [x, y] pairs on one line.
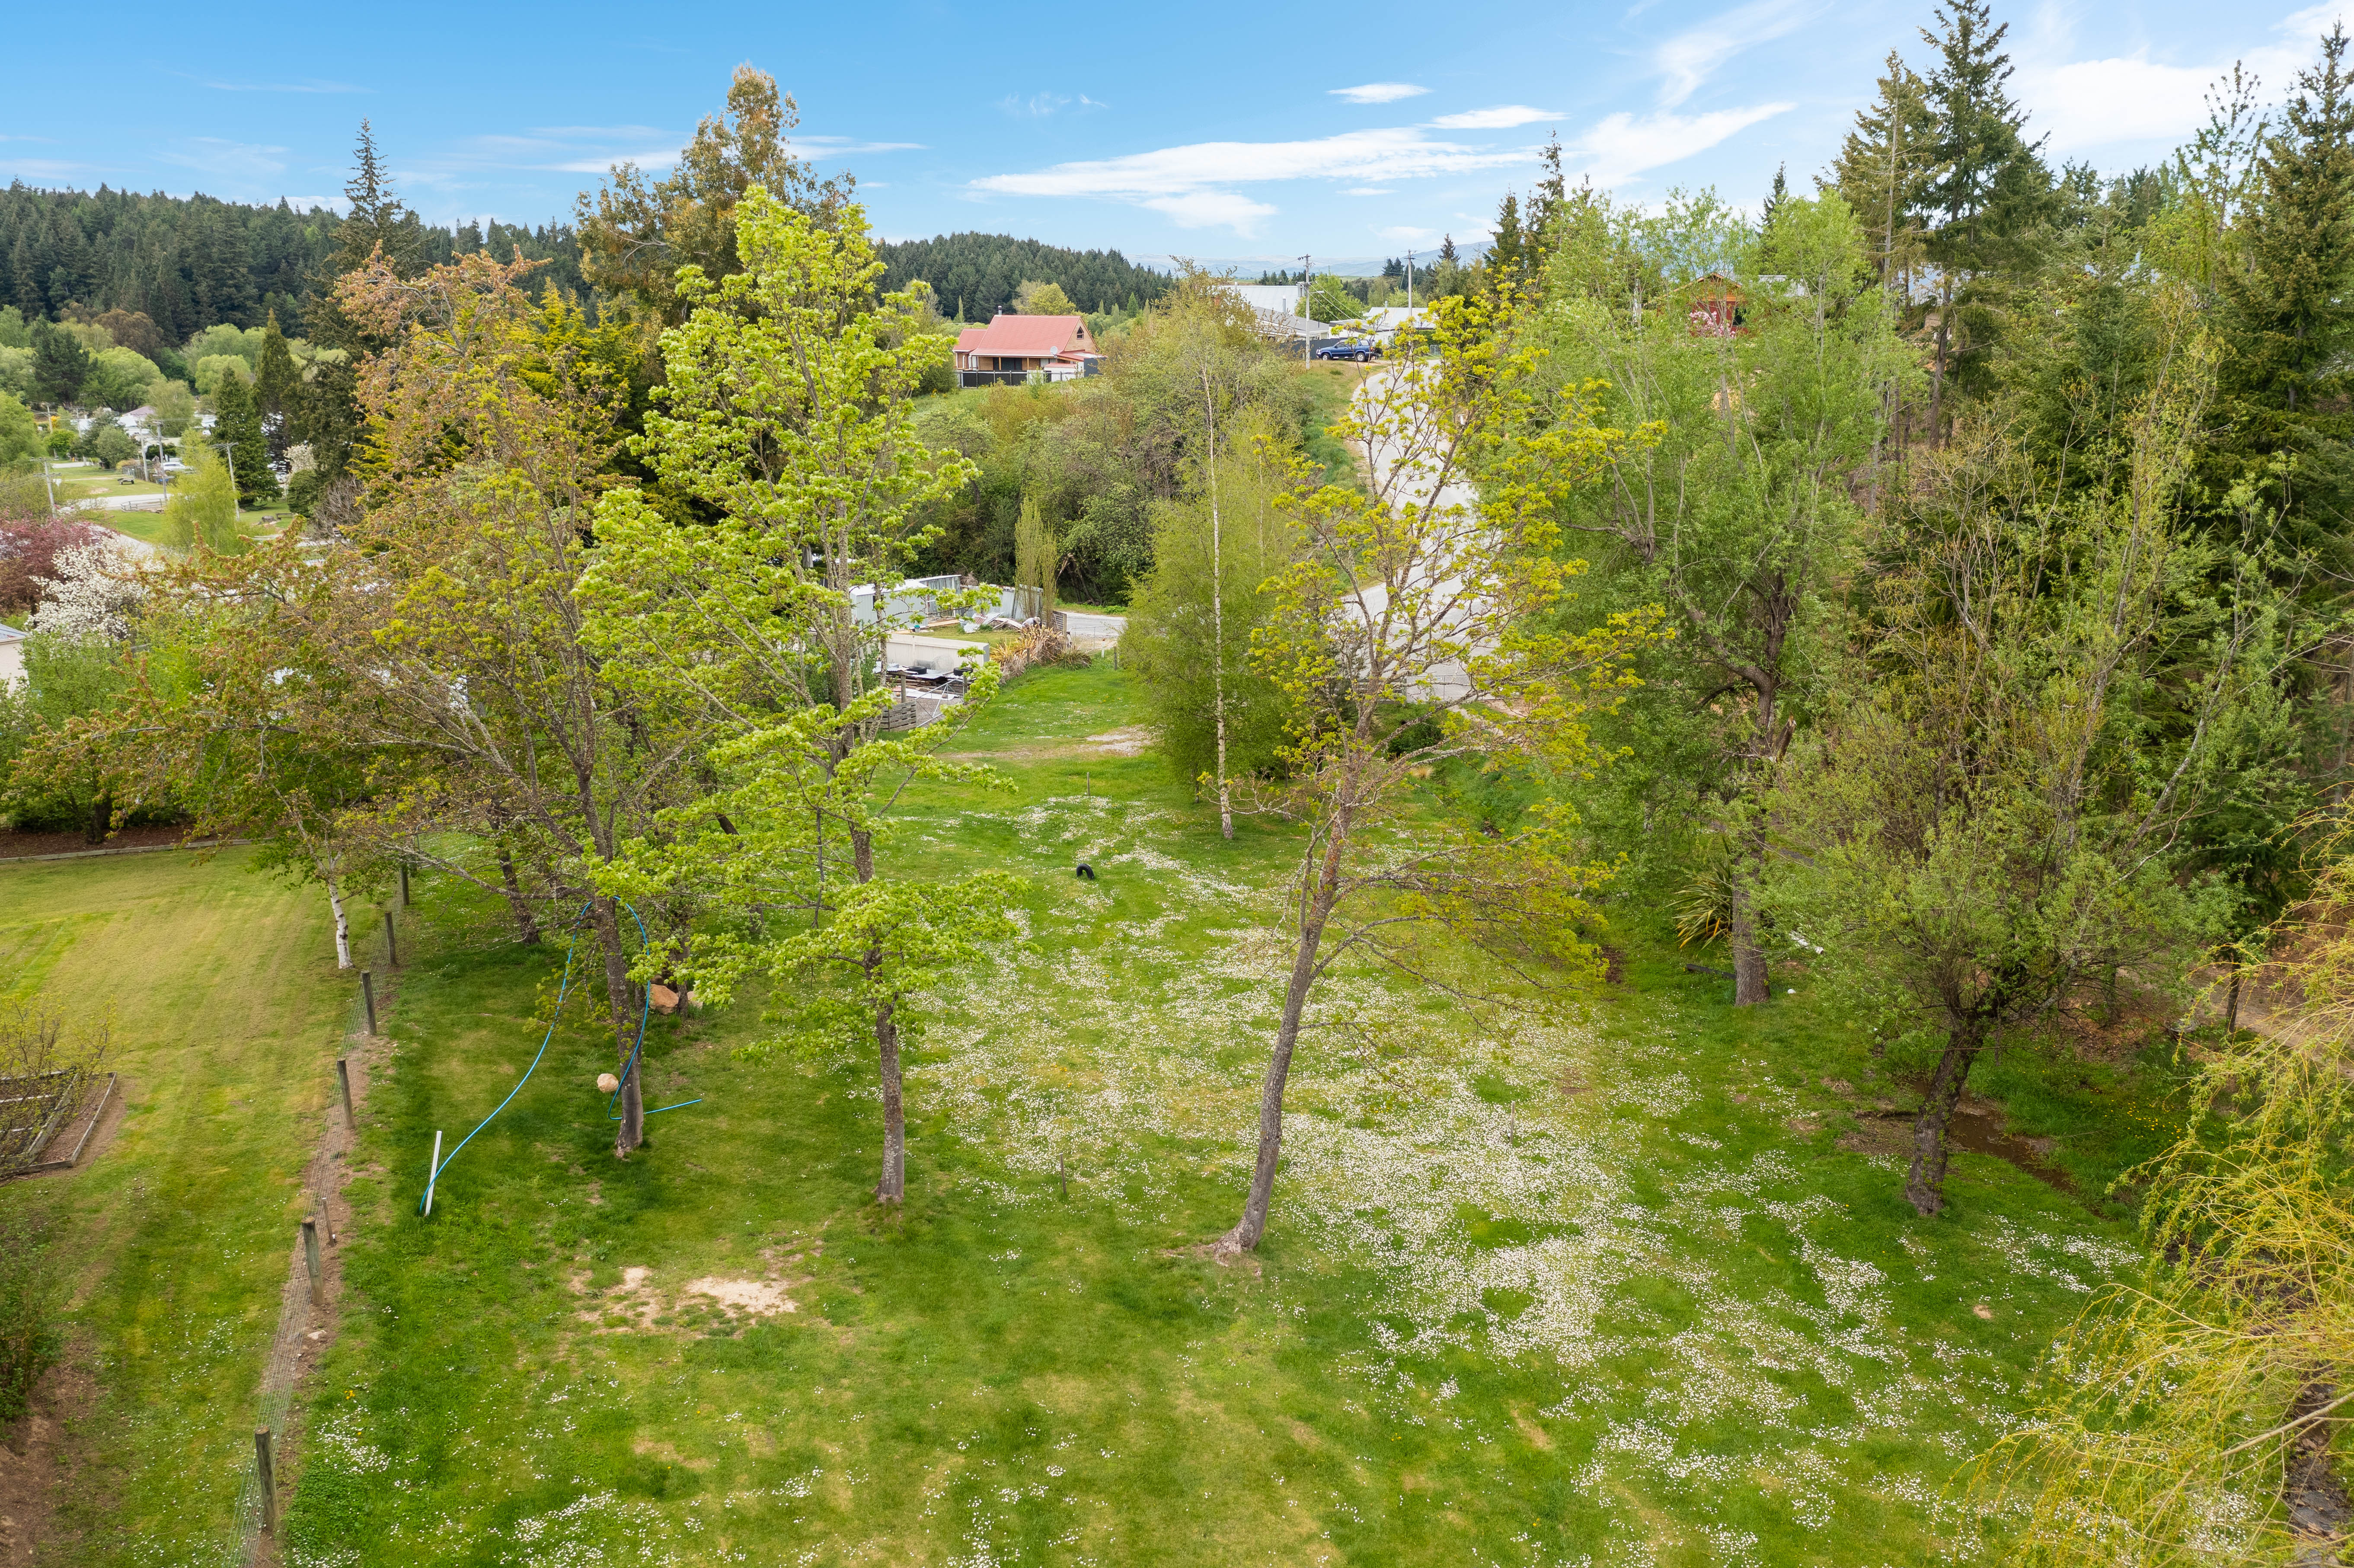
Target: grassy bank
[[227, 1014], [1604, 1286]]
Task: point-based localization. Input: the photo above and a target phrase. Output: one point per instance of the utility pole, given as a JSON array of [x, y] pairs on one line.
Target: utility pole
[[1307, 310], [1409, 279]]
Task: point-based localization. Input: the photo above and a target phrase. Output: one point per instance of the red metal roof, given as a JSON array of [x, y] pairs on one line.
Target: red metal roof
[[1032, 337]]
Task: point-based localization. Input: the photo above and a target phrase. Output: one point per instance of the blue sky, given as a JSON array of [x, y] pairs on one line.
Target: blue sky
[[1243, 137]]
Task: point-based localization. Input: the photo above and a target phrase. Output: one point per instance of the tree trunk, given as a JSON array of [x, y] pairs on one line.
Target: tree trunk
[[1925, 1184], [1937, 370], [893, 1187], [101, 817], [632, 1132], [1246, 1234], [343, 926], [527, 923], [1752, 983]]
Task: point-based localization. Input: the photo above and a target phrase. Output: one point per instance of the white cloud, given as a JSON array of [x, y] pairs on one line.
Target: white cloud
[[1622, 146], [659, 158], [1212, 209], [1367, 190], [842, 147], [1690, 57], [228, 160], [2089, 103], [1351, 156], [1406, 233], [1503, 117], [1039, 105], [313, 86], [1379, 91]]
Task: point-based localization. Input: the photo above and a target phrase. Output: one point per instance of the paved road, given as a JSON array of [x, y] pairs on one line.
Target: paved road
[[119, 503]]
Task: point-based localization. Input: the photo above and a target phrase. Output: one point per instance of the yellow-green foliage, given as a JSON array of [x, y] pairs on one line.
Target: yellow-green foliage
[[2179, 1407], [202, 511]]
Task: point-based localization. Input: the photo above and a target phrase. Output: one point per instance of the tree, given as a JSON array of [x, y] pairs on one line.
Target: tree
[[1737, 515], [1414, 631], [1504, 251], [1191, 623], [1992, 817], [1882, 167], [20, 434], [2292, 296], [491, 421], [635, 235], [1036, 299], [60, 364], [2217, 1378], [1987, 188], [1774, 198], [29, 545], [277, 388], [1037, 554], [787, 412], [201, 512], [109, 443], [238, 429], [376, 221]]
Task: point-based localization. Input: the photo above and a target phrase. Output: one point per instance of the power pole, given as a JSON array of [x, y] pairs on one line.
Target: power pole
[[1308, 310], [1409, 279]]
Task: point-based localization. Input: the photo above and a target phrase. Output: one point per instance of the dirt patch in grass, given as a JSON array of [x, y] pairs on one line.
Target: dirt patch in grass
[[759, 1298], [39, 1458]]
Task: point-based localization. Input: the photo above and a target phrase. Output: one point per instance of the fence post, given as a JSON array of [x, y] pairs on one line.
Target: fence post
[[404, 887], [343, 1081], [367, 994], [269, 1480], [310, 1256], [326, 1219], [391, 943]]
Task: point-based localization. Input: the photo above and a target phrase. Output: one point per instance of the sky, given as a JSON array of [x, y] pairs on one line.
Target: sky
[[1246, 138]]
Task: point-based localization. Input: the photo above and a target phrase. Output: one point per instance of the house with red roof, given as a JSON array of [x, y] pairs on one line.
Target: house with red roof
[[1015, 348]]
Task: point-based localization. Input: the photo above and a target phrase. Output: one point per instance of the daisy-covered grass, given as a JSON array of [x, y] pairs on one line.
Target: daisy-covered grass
[[1598, 1286]]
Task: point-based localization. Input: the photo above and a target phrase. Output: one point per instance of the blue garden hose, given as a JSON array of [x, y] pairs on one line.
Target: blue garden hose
[[425, 1203]]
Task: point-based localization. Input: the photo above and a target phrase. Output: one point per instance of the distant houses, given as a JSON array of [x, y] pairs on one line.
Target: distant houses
[[1017, 348]]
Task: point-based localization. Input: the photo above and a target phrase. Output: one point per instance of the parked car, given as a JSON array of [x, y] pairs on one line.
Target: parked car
[[1359, 352]]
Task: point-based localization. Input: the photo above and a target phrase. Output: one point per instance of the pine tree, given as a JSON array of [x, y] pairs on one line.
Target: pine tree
[[277, 384], [1504, 253], [1447, 251], [1884, 168], [2297, 241], [1545, 205], [1774, 198], [239, 425], [1988, 184], [377, 217]]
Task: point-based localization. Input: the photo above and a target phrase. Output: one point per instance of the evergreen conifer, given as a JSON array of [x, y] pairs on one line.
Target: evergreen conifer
[[239, 426]]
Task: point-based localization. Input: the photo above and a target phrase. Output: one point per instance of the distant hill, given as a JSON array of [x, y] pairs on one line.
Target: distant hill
[[191, 262], [974, 276]]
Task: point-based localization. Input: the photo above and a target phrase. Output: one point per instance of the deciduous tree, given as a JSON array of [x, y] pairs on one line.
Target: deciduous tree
[[1417, 628]]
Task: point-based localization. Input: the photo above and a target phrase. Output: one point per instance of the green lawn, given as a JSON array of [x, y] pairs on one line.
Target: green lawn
[[228, 1011], [1596, 1288]]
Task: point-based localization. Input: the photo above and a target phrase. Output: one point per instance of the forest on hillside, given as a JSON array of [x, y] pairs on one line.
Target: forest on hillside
[[975, 276], [191, 262]]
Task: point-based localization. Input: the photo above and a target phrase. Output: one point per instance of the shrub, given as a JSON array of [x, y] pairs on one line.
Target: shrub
[[30, 1338]]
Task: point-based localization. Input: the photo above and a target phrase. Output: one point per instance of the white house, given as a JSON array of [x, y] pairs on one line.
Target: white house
[[12, 656]]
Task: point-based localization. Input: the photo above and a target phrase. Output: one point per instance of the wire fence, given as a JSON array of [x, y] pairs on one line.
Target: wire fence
[[282, 1369]]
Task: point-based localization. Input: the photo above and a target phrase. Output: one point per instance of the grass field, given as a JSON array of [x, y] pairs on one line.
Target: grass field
[[1597, 1289], [227, 1015]]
